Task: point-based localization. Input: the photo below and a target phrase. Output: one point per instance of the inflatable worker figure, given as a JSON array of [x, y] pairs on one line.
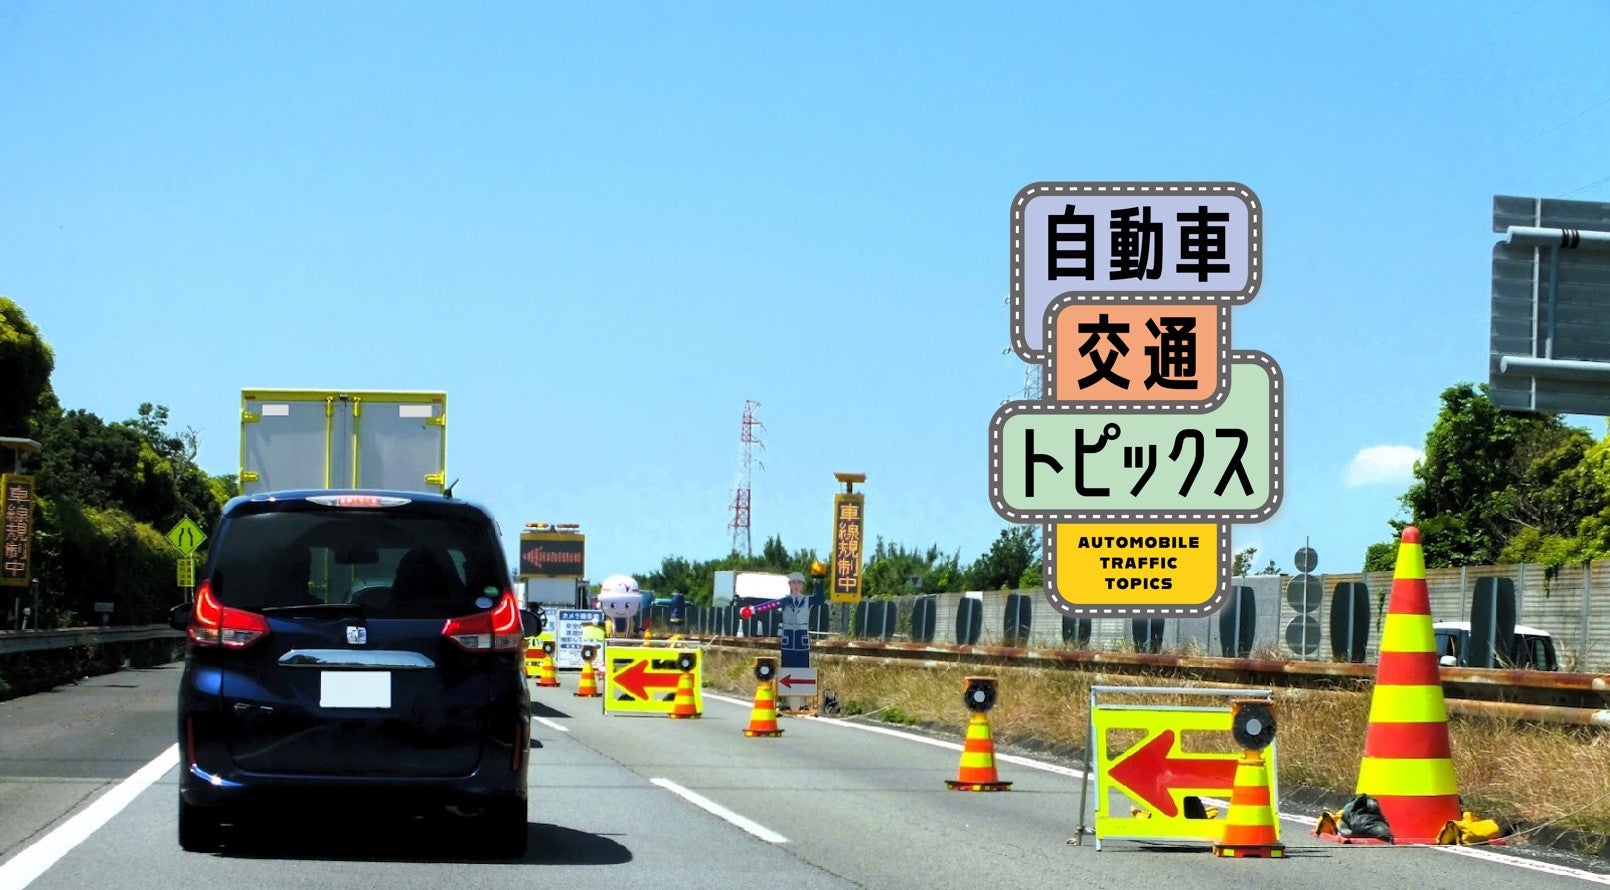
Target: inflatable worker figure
[[794, 631], [620, 600]]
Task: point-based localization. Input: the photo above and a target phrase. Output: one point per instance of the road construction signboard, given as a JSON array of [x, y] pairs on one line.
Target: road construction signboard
[[553, 555], [569, 632], [643, 679], [1163, 772], [17, 496], [1122, 294]]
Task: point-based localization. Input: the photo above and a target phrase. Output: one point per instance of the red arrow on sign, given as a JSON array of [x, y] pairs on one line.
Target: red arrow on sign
[[638, 679], [791, 681], [1151, 774]]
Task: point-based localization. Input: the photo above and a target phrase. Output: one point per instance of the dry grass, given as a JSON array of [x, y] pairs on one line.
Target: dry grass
[[1521, 774]]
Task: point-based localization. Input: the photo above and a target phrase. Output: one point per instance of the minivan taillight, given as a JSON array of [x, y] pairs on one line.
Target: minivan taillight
[[498, 630], [214, 624]]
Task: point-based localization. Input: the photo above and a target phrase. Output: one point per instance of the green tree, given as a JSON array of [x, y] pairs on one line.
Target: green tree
[[26, 361], [1483, 476], [891, 568], [1241, 564], [1008, 557]]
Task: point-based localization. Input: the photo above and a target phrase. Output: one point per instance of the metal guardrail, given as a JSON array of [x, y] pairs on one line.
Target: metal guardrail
[[1538, 696], [14, 641]]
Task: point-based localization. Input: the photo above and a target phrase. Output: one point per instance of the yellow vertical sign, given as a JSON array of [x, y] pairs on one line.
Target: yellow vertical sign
[[848, 536], [17, 494], [187, 572]]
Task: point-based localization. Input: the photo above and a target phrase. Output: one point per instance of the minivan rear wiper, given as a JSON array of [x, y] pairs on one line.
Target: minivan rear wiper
[[316, 609]]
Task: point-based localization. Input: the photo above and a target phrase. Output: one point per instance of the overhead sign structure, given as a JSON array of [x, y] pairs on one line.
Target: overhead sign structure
[[553, 555], [186, 536], [16, 535], [1153, 436], [845, 568], [1550, 336], [642, 679]]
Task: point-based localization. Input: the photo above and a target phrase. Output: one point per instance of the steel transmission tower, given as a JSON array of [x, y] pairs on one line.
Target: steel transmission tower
[[740, 502]]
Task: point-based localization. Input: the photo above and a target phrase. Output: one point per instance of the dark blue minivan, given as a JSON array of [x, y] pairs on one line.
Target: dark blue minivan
[[355, 646]]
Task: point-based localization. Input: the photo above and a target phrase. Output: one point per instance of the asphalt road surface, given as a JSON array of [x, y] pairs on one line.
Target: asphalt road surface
[[88, 799]]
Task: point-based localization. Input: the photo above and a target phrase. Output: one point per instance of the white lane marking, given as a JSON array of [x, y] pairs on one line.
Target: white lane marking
[[550, 724], [48, 850], [1548, 868], [1483, 853], [715, 809]]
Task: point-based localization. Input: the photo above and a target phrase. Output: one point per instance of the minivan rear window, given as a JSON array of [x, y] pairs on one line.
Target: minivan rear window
[[394, 563]]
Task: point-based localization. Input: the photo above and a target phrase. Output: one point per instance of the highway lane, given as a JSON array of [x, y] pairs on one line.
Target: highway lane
[[826, 805]]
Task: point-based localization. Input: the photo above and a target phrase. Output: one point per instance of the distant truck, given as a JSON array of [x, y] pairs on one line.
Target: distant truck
[[552, 567], [309, 438], [1533, 648]]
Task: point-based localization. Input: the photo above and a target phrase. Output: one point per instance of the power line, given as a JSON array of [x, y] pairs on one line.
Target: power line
[[1594, 184], [1601, 102]]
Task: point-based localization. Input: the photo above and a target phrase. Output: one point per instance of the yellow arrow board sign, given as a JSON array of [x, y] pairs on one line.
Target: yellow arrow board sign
[[1151, 777], [186, 536], [642, 679]]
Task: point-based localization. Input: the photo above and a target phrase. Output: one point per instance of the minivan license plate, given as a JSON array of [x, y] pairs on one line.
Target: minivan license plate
[[355, 689]]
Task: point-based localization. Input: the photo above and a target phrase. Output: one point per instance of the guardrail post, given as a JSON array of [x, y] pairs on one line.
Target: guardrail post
[[1587, 615]]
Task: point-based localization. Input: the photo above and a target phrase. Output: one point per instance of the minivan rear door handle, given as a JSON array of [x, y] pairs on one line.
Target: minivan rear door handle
[[357, 659]]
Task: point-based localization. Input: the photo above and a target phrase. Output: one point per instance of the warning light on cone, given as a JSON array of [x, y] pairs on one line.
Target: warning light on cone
[[1252, 722], [765, 668], [978, 693]]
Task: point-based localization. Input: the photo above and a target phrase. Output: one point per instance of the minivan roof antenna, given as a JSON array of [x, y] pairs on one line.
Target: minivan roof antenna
[[448, 491]]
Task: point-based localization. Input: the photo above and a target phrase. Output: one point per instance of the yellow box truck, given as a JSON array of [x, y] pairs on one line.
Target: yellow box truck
[[309, 438]]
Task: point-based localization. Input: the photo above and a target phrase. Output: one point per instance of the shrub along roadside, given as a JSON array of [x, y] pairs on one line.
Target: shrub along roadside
[[85, 555]]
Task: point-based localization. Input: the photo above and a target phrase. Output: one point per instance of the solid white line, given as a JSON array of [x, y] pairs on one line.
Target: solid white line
[[710, 806], [48, 850], [1483, 853], [550, 724], [1549, 868]]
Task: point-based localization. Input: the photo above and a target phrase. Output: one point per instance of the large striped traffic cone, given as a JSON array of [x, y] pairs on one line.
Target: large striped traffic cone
[[977, 769], [548, 677], [763, 717], [1408, 763], [1250, 827], [587, 686], [682, 707]]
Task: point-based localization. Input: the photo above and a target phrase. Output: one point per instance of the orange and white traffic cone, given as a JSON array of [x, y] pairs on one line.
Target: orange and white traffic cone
[[763, 717], [1408, 761], [683, 707], [587, 686], [977, 769], [548, 677], [1250, 827]]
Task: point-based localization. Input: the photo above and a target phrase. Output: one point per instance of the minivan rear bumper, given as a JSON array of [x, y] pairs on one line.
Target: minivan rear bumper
[[247, 790]]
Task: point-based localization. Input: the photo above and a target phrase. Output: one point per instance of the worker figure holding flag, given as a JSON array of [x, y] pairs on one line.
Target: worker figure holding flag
[[794, 632]]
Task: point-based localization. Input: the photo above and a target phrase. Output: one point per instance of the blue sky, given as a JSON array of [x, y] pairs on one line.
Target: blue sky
[[600, 228]]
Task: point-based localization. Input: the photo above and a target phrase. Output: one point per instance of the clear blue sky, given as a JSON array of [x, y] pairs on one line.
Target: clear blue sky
[[601, 227]]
